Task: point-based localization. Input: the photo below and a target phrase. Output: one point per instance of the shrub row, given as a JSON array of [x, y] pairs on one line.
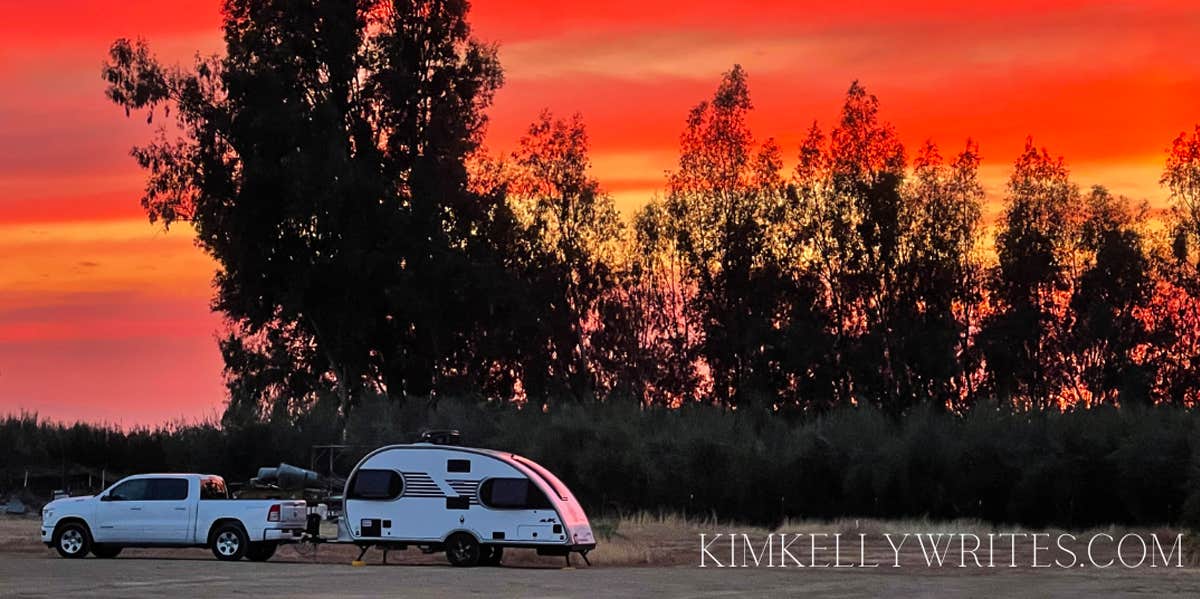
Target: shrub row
[[1136, 466]]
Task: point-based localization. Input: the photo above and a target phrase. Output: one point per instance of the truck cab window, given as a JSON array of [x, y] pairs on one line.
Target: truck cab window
[[168, 489], [131, 490], [379, 485], [512, 494], [213, 488]]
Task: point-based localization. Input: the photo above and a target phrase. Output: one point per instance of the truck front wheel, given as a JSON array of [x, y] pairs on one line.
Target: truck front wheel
[[229, 543], [72, 540]]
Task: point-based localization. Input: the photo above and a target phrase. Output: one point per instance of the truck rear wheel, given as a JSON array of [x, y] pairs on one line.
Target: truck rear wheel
[[462, 550], [261, 552], [229, 542], [72, 540]]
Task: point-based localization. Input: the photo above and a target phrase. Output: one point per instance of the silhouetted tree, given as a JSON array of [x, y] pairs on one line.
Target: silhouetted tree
[[940, 279], [1173, 315], [1114, 285], [321, 161], [1181, 177], [721, 201], [651, 345], [573, 235], [1030, 286], [850, 204]]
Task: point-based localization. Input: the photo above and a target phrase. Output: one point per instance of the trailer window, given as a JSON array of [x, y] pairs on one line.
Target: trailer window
[[376, 485], [512, 494]]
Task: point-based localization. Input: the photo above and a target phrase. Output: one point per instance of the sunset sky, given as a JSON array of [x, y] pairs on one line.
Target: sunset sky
[[105, 317]]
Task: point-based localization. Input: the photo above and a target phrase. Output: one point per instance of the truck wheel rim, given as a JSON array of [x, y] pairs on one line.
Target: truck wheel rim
[[227, 543], [71, 541]]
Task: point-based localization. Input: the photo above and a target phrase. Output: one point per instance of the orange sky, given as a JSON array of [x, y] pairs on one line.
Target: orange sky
[[104, 317]]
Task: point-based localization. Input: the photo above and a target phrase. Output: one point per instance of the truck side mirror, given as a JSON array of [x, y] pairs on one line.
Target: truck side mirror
[[108, 497]]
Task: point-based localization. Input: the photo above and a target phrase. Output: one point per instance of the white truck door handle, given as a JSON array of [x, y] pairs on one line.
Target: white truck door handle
[[181, 509], [135, 509]]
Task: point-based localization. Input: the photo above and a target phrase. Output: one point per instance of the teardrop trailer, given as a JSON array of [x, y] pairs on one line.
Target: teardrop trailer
[[471, 503]]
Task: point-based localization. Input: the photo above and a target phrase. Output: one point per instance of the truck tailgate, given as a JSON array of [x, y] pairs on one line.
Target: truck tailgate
[[293, 514]]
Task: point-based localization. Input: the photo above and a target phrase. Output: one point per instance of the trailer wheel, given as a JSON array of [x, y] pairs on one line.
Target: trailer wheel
[[491, 555], [229, 543], [261, 552], [462, 550], [72, 540]]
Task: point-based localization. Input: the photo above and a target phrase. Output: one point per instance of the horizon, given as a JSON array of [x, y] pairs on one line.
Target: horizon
[[102, 314]]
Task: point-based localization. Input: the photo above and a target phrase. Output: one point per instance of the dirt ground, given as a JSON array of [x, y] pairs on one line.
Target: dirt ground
[[642, 556]]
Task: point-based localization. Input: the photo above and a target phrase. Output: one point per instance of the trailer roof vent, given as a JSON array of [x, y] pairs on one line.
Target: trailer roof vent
[[441, 437]]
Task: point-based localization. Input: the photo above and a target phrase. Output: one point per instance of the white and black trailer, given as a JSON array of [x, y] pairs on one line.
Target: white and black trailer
[[471, 503]]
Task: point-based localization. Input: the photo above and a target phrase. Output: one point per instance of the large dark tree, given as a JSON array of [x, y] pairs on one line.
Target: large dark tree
[[321, 162], [721, 202], [850, 202], [1114, 285], [1030, 286], [572, 235], [940, 278]]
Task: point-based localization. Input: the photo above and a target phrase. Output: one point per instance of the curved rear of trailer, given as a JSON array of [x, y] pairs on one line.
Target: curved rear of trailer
[[578, 528]]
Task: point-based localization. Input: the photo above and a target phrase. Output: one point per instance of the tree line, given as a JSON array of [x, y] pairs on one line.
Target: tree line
[[331, 162], [1080, 469]]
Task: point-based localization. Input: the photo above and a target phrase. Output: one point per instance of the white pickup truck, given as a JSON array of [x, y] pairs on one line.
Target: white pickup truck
[[171, 510]]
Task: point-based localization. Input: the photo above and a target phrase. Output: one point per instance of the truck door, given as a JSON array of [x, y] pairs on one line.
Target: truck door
[[121, 515], [168, 512]]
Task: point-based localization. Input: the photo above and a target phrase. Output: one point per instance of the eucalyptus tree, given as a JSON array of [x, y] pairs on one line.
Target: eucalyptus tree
[[321, 160], [721, 200], [1030, 286]]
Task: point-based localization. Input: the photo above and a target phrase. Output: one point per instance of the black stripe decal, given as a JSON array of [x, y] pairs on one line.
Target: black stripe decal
[[421, 485]]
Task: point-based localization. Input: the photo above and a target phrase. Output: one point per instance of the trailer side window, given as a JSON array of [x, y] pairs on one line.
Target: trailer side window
[[376, 485], [512, 494]]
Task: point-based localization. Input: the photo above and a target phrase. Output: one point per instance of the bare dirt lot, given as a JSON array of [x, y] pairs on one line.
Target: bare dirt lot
[[644, 557], [46, 576]]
